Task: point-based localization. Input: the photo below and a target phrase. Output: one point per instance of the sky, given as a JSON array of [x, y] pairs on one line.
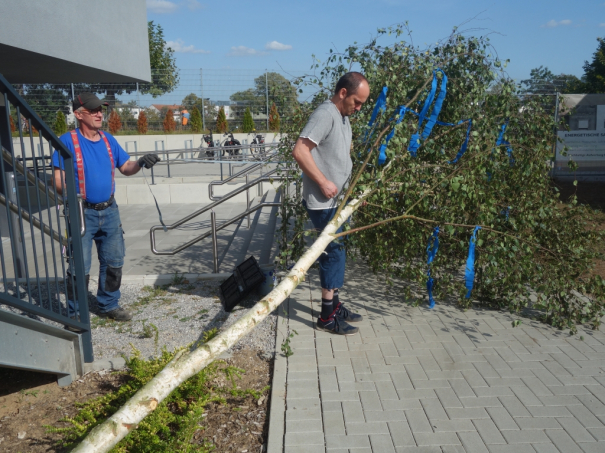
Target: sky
[[272, 34]]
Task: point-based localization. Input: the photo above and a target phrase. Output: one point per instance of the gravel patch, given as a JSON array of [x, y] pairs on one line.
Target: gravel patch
[[170, 316]]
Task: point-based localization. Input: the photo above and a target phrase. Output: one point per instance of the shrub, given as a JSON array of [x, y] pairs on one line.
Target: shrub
[[248, 124], [169, 124], [114, 122], [196, 120], [60, 126], [142, 123], [221, 121], [274, 119], [12, 124]]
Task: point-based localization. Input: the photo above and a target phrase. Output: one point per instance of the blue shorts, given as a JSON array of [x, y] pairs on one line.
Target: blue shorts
[[332, 261]]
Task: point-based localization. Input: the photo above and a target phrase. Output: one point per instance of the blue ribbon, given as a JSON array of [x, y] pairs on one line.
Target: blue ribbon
[[469, 273], [431, 251], [501, 141]]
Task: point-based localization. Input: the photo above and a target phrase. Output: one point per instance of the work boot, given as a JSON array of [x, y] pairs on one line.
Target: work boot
[[336, 325], [118, 314], [346, 315]]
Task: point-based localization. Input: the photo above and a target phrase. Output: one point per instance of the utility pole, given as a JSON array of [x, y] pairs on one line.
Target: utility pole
[[203, 102], [267, 96]]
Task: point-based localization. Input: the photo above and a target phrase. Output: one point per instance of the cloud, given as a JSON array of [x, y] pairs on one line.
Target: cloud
[[161, 6], [193, 5], [179, 46], [243, 51], [274, 45], [553, 23]]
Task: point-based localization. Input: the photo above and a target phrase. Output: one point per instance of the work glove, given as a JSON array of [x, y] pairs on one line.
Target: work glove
[[148, 160]]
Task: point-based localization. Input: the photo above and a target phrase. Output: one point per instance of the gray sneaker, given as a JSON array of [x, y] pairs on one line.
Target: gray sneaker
[[119, 314]]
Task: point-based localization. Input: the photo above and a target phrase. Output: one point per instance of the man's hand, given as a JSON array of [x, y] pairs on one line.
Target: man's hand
[[148, 160], [329, 189]]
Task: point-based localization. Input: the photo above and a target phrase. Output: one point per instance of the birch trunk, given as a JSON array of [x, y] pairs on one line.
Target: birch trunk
[[106, 435]]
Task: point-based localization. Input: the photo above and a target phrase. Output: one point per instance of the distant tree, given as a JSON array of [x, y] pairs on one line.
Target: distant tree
[[126, 117], [114, 122], [594, 72], [221, 121], [154, 119], [196, 120], [192, 100], [46, 100], [272, 84], [142, 123], [543, 81], [60, 126], [169, 124], [248, 124], [12, 124], [274, 119]]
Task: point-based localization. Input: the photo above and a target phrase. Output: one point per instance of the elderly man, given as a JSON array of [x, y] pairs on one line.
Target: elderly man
[[323, 153], [97, 155]]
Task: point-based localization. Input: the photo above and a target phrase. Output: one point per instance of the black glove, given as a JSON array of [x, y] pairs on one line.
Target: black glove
[[148, 160]]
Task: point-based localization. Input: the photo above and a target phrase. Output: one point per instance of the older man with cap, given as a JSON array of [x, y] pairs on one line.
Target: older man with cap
[[97, 155]]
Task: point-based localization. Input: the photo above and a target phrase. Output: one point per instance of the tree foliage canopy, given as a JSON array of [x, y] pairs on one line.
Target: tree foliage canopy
[[272, 84], [221, 121], [196, 120], [532, 249], [248, 123], [594, 71]]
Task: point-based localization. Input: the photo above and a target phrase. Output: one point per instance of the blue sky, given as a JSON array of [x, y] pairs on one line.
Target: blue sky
[[269, 34]]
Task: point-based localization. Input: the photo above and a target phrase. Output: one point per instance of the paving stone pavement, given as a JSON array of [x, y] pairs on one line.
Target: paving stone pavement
[[441, 380]]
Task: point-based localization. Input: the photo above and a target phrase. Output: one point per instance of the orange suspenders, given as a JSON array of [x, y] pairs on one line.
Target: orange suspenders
[[80, 163]]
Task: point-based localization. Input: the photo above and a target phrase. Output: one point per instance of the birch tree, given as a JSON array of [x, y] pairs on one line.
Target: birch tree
[[531, 249]]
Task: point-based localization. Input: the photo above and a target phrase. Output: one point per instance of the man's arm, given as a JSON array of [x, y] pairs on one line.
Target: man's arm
[[130, 168], [58, 178], [302, 155]]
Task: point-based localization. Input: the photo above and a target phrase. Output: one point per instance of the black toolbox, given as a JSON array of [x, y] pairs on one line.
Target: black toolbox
[[246, 277]]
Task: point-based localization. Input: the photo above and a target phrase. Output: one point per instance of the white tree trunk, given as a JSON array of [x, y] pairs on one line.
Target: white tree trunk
[[105, 436]]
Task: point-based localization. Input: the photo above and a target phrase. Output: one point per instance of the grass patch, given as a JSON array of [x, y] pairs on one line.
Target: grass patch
[[177, 424], [154, 293]]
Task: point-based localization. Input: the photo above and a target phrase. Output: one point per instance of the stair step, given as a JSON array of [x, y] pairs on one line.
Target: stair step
[[235, 252], [263, 238]]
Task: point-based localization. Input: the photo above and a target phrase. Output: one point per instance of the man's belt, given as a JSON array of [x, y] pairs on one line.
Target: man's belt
[[99, 206]]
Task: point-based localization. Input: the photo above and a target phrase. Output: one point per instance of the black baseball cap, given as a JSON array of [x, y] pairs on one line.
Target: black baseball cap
[[88, 101]]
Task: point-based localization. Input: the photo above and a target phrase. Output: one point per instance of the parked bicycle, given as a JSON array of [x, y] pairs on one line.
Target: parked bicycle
[[255, 147], [210, 145], [231, 141]]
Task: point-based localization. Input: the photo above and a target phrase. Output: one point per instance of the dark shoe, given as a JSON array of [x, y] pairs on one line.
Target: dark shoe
[[119, 314], [346, 315], [336, 325]]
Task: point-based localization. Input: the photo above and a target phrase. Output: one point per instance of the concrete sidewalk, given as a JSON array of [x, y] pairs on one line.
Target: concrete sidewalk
[[442, 380]]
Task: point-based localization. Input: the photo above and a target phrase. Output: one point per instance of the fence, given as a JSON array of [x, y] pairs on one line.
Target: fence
[[39, 260], [205, 89]]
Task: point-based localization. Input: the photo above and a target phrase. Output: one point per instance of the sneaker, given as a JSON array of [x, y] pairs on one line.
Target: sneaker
[[336, 325], [119, 314], [346, 315]]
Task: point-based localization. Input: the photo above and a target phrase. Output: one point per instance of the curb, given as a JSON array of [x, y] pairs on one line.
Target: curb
[[277, 411], [117, 363]]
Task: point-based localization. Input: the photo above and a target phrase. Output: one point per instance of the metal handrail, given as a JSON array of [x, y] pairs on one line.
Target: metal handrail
[[53, 196], [266, 177]]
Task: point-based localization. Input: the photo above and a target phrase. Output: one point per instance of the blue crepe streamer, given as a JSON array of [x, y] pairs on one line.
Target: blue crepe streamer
[[469, 273], [501, 141], [431, 251]]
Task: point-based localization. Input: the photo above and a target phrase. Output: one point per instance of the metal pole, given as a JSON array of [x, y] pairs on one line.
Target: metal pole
[[214, 241], [73, 97], [203, 106], [267, 96], [248, 200]]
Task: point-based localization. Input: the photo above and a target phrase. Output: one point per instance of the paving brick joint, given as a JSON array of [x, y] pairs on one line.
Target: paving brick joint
[[441, 380]]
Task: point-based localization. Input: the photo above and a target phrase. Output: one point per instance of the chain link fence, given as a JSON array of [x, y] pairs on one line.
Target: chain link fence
[[208, 90]]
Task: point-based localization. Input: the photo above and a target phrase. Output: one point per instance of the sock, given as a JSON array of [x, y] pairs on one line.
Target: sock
[[335, 299], [327, 307]]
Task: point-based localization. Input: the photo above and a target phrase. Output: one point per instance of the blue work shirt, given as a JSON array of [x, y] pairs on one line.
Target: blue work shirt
[[97, 165]]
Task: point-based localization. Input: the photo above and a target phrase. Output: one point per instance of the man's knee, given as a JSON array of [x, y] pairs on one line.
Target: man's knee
[[113, 279], [71, 285]]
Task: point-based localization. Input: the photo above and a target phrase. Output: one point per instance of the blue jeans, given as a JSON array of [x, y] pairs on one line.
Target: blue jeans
[[332, 262], [105, 228]]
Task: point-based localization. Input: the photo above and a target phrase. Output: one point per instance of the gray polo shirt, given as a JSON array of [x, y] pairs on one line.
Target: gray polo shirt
[[331, 132]]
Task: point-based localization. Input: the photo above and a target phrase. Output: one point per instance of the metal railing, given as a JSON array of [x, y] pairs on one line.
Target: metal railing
[[268, 177], [41, 268]]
